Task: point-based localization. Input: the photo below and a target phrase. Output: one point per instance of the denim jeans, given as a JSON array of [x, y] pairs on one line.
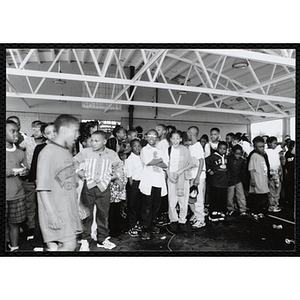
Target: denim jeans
[[237, 191]]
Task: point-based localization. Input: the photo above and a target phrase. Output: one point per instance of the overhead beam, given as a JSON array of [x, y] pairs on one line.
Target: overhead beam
[[84, 55], [135, 82], [27, 57], [138, 103], [107, 61], [36, 52], [127, 59], [251, 55]]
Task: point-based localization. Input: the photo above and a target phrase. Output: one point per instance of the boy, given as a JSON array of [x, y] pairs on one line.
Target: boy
[[116, 142], [133, 169], [57, 204], [276, 171], [214, 139], [259, 171], [216, 165], [198, 178], [16, 165], [21, 135], [99, 163], [229, 139], [290, 174], [153, 184], [236, 172]]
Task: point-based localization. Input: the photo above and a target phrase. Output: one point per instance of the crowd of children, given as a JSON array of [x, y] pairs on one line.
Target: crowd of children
[[71, 182]]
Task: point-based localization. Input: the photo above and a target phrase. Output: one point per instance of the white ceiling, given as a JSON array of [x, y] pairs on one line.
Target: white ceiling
[[264, 89]]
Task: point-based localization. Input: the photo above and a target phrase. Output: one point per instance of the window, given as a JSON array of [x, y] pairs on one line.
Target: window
[[106, 126], [270, 128], [293, 128]]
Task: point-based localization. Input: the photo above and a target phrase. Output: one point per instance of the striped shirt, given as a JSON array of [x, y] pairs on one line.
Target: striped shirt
[[99, 166]]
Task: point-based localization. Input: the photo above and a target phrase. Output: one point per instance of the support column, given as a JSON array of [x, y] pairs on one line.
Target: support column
[[131, 107], [286, 127], [249, 131]]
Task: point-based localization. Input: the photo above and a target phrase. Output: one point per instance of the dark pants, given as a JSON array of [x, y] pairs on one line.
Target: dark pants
[[258, 203], [164, 206], [134, 203], [150, 207], [217, 199], [30, 195], [90, 197], [115, 219]]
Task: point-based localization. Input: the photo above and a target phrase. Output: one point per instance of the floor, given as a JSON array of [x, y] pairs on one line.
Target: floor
[[232, 235]]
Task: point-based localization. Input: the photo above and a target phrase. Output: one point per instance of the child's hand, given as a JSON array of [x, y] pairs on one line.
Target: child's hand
[[24, 172], [211, 173], [252, 182], [120, 184], [54, 221], [9, 173]]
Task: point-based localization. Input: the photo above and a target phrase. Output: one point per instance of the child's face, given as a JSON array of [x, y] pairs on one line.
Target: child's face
[[214, 136], [37, 131], [237, 154], [97, 141], [93, 129], [228, 139], [132, 136], [260, 147], [136, 148], [50, 132], [192, 132], [121, 135], [160, 130], [152, 138], [175, 140], [272, 145], [88, 142], [235, 142], [70, 134], [222, 149], [203, 142], [12, 133]]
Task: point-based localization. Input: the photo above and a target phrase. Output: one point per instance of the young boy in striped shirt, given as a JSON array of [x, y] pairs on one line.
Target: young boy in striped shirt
[[99, 163]]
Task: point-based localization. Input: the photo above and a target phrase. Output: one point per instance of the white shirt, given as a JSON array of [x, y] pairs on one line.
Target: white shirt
[[174, 159], [273, 156], [152, 176], [196, 151], [162, 145], [134, 167], [247, 147], [207, 150]]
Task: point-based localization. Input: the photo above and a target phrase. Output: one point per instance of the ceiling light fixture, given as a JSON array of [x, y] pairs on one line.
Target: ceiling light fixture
[[240, 63], [182, 93], [59, 81]]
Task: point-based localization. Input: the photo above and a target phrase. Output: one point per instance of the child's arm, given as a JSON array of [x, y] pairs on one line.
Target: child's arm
[[252, 180], [208, 166], [201, 164], [54, 221]]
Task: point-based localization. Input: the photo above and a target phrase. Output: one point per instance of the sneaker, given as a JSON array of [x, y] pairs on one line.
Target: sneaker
[[274, 209], [199, 224], [213, 217], [52, 246], [243, 214], [261, 216], [84, 245], [173, 227], [155, 230], [221, 216], [138, 227], [192, 219], [106, 244], [145, 235], [133, 232], [30, 234], [229, 213], [254, 217]]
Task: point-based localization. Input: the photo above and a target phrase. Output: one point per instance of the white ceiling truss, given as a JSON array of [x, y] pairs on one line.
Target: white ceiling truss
[[265, 88]]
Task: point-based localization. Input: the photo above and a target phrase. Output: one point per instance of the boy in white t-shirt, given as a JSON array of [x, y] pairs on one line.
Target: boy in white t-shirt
[[198, 178], [276, 172]]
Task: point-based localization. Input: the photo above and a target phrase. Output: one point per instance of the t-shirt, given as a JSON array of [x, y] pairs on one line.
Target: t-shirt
[[207, 150], [134, 166], [196, 151], [56, 174], [218, 164], [14, 184], [152, 176], [260, 176], [274, 159], [162, 145]]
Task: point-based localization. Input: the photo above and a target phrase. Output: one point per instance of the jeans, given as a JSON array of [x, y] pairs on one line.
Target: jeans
[[274, 193], [134, 203], [150, 207], [217, 199], [89, 197], [238, 191]]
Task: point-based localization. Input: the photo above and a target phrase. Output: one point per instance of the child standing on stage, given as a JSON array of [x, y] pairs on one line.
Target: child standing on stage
[[16, 166], [99, 164], [153, 184], [216, 165], [57, 203], [133, 170]]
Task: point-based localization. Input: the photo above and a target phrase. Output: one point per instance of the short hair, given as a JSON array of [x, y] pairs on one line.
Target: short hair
[[237, 137], [237, 147], [215, 129], [117, 129], [64, 120], [84, 137], [222, 143], [45, 125], [171, 127], [291, 145], [194, 127], [134, 141], [131, 131], [230, 134], [176, 132], [13, 117], [91, 124], [204, 136], [271, 139], [100, 132], [36, 122], [152, 130], [11, 122], [258, 139], [139, 129], [163, 126]]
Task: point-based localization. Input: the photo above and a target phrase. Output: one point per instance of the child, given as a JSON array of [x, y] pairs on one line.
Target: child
[[57, 204], [276, 172], [178, 182], [133, 169], [162, 142], [16, 166], [236, 172], [205, 145], [99, 163], [229, 139], [131, 135], [197, 178], [214, 139], [290, 174], [116, 143], [153, 184], [259, 170], [216, 165]]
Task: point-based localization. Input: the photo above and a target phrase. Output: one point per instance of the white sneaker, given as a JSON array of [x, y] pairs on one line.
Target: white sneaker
[[199, 224], [192, 219], [52, 246], [84, 245], [106, 244]]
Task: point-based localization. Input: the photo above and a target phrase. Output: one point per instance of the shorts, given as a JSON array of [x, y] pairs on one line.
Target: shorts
[[16, 212]]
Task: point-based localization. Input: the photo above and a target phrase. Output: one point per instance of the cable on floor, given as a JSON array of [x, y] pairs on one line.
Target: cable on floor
[[169, 242]]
